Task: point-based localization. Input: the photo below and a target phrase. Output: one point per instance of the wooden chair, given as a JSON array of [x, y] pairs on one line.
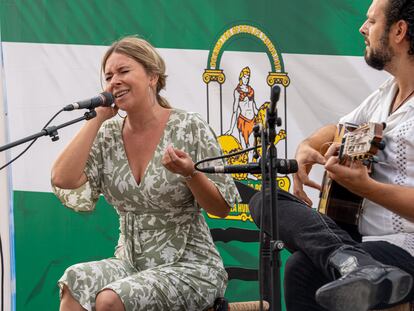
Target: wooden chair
[[241, 235], [404, 307], [221, 304], [254, 305]]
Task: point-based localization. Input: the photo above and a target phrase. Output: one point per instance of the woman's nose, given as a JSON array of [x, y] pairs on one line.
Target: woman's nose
[[114, 80]]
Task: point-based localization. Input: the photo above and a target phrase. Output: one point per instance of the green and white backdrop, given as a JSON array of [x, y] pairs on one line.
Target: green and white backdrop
[[50, 55]]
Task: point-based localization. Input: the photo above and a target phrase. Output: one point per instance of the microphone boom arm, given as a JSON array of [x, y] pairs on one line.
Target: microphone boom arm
[[51, 131]]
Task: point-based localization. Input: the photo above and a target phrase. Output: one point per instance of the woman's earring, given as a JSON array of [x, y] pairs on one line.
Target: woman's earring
[[123, 117], [152, 94]]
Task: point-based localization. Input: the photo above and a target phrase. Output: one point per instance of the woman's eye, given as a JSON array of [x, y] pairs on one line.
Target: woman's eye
[[107, 79]]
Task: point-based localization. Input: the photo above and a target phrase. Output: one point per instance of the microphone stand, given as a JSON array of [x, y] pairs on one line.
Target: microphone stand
[[51, 131], [270, 247]]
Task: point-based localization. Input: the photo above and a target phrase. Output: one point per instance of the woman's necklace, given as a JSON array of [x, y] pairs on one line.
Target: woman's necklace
[[401, 103]]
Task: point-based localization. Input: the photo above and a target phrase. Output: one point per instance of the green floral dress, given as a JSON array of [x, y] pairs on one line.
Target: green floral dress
[[165, 258]]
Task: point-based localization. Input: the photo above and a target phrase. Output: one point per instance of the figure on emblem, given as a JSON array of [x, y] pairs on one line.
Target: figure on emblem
[[244, 109]]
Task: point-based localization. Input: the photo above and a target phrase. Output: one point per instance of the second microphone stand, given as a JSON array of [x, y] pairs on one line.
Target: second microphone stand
[[271, 246]]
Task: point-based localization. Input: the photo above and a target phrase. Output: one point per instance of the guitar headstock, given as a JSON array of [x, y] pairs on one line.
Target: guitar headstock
[[362, 143]]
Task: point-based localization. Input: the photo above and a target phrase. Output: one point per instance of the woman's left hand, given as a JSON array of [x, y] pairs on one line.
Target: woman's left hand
[[177, 161]]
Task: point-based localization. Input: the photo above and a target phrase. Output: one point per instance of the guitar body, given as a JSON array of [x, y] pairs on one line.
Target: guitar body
[[357, 144], [339, 203]]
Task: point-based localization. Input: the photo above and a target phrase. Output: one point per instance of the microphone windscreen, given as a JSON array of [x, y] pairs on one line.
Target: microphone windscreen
[[108, 99]]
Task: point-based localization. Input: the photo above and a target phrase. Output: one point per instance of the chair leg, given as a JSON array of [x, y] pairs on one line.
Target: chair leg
[[402, 307], [221, 304]]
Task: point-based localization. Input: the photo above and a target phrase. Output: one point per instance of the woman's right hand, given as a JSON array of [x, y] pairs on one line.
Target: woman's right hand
[[104, 113]]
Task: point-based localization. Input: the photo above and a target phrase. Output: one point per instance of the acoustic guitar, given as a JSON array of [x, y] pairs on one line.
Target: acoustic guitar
[[358, 143]]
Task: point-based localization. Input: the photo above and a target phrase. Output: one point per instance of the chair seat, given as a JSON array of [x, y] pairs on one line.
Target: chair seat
[[221, 304], [255, 306], [402, 307]]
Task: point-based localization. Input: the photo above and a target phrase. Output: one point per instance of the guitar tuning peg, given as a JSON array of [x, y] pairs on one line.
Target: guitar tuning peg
[[375, 159], [367, 162], [379, 144]]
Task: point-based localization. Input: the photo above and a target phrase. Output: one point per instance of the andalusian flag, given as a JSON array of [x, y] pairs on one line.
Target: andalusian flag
[[222, 57]]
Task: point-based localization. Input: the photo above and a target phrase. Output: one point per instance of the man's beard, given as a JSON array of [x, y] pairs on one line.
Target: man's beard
[[381, 56]]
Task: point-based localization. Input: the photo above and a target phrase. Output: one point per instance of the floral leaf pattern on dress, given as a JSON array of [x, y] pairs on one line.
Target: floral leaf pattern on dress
[[165, 258]]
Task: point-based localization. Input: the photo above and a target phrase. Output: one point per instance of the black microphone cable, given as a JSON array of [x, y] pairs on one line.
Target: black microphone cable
[[222, 157]]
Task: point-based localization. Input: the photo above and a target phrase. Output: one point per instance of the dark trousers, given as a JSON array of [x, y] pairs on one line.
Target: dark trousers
[[312, 237]]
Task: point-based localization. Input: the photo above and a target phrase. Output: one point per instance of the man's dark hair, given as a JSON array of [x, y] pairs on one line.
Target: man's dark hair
[[402, 10]]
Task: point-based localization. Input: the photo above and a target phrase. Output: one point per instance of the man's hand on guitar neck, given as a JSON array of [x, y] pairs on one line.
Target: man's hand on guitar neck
[[308, 153], [306, 157]]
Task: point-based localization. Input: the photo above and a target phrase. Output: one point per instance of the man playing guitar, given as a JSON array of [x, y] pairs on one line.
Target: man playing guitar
[[329, 269]]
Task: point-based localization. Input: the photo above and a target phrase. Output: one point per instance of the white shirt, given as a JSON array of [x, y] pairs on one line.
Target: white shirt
[[395, 166]]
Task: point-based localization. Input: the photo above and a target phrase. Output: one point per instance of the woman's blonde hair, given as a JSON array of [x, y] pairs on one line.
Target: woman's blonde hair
[[144, 53]]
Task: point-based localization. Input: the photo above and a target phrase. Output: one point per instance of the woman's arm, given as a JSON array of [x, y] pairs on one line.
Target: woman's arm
[[68, 169]]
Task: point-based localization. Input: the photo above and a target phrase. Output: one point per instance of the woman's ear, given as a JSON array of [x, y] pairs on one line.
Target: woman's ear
[[154, 80]]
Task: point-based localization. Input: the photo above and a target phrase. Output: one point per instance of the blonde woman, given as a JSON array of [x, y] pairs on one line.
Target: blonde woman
[[144, 166]]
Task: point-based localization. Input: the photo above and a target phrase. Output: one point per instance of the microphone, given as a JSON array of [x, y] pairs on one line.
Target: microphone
[[104, 99], [274, 98], [253, 168], [283, 166]]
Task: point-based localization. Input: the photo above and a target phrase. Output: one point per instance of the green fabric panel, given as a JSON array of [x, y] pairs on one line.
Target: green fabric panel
[[50, 237], [242, 291], [296, 26], [239, 254]]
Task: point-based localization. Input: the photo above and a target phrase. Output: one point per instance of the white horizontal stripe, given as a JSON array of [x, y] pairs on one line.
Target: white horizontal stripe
[[42, 78]]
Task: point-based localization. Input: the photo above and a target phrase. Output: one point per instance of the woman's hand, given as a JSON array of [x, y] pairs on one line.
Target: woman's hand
[[104, 113], [107, 112], [177, 161], [205, 192]]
